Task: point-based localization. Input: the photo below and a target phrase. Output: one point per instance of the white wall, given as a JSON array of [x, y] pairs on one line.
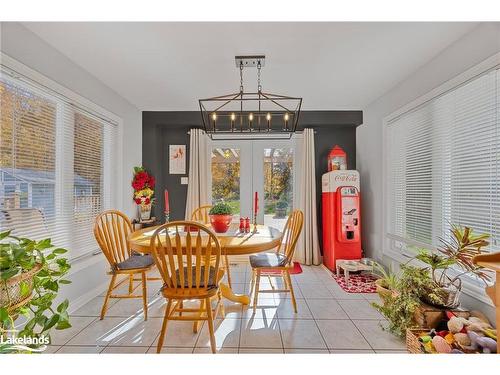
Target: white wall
[[474, 47], [26, 47]]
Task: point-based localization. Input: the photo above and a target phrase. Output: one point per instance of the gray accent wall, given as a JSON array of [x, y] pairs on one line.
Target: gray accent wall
[[161, 129]]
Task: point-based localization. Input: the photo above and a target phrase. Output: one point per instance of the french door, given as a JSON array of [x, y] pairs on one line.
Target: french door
[[239, 168]]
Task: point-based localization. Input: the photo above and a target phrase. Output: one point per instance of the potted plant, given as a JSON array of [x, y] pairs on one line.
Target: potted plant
[[400, 305], [281, 208], [403, 295], [220, 217], [143, 184], [31, 274], [386, 283], [458, 251]]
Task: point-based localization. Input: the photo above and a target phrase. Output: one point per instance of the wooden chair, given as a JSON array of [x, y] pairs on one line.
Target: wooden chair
[[201, 214], [189, 265], [268, 263], [111, 230]]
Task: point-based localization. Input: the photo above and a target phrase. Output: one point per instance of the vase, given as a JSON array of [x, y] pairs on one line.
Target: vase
[[144, 211], [220, 223]]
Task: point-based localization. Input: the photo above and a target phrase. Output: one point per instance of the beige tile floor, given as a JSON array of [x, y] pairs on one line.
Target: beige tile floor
[[329, 320]]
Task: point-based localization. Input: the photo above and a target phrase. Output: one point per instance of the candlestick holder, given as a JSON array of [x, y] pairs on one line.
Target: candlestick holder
[[167, 217], [254, 222]]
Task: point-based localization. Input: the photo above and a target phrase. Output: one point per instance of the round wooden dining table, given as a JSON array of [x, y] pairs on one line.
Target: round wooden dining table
[[232, 243]]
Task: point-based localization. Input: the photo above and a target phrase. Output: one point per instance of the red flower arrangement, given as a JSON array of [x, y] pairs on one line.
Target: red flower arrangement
[[143, 184]]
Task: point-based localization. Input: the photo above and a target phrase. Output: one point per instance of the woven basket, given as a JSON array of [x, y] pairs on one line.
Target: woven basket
[[10, 291], [414, 346], [383, 292]]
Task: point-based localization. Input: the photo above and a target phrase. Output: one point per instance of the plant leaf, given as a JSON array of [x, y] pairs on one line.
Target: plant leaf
[[59, 250], [63, 306], [4, 234], [51, 322]]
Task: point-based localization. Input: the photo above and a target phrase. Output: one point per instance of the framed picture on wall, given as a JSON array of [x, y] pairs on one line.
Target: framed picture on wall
[[177, 159]]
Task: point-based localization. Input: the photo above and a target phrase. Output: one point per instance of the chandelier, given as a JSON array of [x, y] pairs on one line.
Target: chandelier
[[250, 112]]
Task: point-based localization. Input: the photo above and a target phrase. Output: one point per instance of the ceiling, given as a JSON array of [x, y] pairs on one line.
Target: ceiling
[[168, 66]]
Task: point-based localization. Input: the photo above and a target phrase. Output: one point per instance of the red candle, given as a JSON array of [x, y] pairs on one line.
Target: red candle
[[256, 203], [167, 206]]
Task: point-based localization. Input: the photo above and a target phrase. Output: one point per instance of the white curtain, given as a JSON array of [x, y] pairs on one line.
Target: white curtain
[[307, 251], [197, 194]]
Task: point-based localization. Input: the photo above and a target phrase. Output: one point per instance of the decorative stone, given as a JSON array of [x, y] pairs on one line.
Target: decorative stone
[[441, 345]]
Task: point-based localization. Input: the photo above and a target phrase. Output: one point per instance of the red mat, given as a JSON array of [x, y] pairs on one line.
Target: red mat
[[358, 283], [293, 271]]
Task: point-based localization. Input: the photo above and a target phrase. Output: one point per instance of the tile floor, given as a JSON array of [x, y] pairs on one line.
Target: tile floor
[[329, 320]]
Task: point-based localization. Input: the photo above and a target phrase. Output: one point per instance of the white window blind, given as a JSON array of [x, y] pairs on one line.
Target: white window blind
[[55, 165], [443, 165]]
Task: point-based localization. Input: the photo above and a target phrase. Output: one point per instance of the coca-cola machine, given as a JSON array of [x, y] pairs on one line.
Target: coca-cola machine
[[341, 216]]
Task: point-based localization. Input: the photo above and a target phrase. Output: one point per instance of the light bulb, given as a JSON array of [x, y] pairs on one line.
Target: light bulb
[[268, 117], [250, 116], [214, 116], [233, 117], [286, 117]]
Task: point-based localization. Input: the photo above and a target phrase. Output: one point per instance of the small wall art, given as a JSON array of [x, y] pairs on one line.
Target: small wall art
[[177, 159]]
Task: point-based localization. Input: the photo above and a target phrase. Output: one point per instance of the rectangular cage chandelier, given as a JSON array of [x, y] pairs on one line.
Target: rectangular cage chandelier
[[250, 113]]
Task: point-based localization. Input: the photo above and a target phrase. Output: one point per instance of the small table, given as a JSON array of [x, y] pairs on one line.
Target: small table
[[351, 266]]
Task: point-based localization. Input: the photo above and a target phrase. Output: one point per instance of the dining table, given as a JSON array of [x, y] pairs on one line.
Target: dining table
[[260, 239]]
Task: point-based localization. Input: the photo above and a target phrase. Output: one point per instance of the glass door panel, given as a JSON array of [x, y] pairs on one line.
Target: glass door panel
[[278, 185], [225, 168]]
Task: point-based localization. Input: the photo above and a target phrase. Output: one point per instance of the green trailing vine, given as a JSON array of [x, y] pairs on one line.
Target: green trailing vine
[[20, 255]]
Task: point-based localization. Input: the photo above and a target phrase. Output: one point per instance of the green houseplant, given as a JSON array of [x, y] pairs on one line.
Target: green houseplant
[[399, 306], [457, 252], [387, 282], [220, 217], [281, 208], [31, 274], [433, 283]]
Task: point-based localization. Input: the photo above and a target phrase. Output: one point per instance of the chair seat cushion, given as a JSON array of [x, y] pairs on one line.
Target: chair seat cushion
[[211, 277], [136, 261], [267, 260]]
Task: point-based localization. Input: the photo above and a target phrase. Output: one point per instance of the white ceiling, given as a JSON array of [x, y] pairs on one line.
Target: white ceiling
[[168, 66]]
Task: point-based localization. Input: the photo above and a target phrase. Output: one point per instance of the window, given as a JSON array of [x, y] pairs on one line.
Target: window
[[55, 164], [443, 165]]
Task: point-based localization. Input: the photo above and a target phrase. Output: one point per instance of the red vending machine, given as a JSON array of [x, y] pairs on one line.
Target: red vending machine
[[341, 216]]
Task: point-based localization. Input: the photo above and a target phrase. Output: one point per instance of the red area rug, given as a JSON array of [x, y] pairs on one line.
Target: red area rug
[[358, 283], [295, 270]]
